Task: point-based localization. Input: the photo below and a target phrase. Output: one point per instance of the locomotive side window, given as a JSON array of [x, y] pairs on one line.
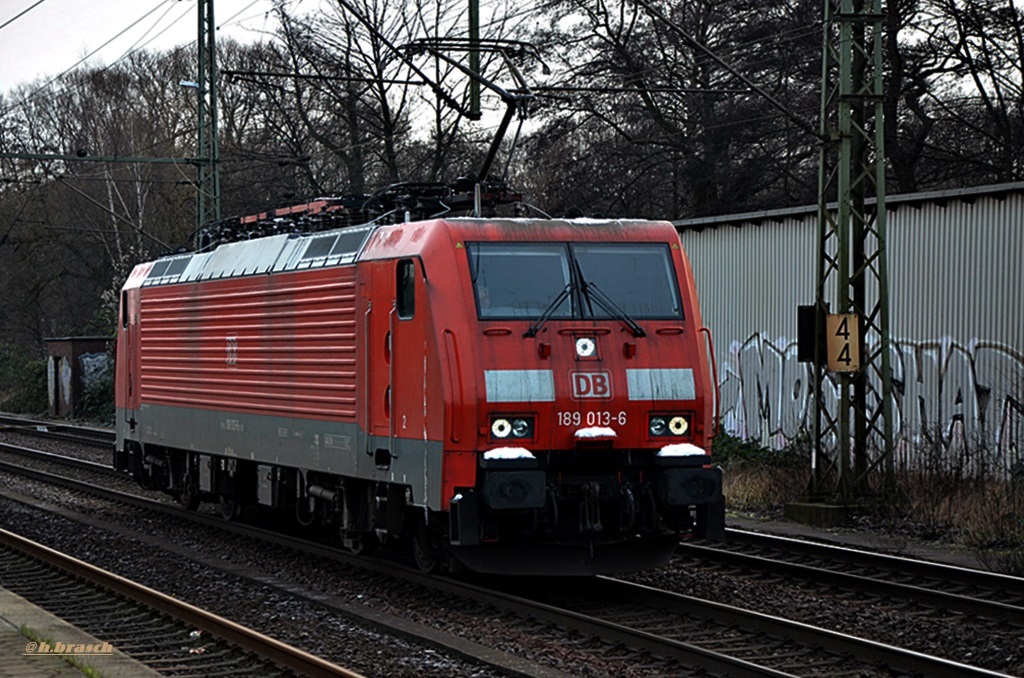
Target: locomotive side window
[[177, 266], [520, 280], [405, 288], [124, 309], [349, 241], [637, 277], [159, 269], [319, 247]]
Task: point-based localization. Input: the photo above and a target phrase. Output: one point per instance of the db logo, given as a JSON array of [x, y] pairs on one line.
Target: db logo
[[591, 385]]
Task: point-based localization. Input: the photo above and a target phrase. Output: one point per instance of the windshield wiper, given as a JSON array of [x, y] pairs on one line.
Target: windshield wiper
[[610, 307], [555, 303]]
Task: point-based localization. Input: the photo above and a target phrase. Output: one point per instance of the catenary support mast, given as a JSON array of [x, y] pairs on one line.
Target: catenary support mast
[[852, 408], [208, 169]]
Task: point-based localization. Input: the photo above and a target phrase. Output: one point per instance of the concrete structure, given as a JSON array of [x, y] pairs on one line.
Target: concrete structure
[[39, 655], [956, 271], [73, 364]]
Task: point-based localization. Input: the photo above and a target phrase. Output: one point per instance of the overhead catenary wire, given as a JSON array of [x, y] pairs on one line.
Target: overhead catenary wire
[[114, 214], [777, 40], [55, 78], [136, 46], [793, 117], [632, 90], [520, 12], [231, 73], [131, 50], [20, 14], [447, 98], [148, 31], [189, 44]]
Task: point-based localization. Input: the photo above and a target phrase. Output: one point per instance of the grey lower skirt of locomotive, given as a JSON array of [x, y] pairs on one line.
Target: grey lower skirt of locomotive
[[584, 512], [564, 513]]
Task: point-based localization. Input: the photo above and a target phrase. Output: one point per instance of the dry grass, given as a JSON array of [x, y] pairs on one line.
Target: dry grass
[[758, 480], [762, 490], [984, 514]]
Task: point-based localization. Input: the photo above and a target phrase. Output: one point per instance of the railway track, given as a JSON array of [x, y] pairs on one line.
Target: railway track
[[93, 486], [165, 634], [997, 597], [732, 640], [72, 433], [678, 632]]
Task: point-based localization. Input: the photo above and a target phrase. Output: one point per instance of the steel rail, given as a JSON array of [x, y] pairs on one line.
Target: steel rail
[[850, 554], [280, 653], [686, 653], [504, 662], [683, 652], [78, 434], [939, 573], [74, 462], [867, 650], [877, 586]]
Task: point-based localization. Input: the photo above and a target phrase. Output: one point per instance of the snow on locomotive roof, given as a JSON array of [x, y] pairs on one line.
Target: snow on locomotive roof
[[272, 254]]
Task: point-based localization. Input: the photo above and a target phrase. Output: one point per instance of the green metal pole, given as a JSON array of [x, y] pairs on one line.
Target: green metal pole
[[474, 58], [852, 255], [208, 180], [884, 338]]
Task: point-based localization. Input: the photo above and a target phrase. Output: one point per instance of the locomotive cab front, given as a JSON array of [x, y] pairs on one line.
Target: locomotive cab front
[[594, 411]]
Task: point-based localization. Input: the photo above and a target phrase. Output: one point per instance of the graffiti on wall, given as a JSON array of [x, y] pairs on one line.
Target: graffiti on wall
[[941, 390], [97, 370]]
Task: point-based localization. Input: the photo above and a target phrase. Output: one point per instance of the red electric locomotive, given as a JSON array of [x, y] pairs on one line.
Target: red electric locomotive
[[516, 396]]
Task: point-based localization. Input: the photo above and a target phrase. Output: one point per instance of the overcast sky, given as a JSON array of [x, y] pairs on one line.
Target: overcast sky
[[54, 35]]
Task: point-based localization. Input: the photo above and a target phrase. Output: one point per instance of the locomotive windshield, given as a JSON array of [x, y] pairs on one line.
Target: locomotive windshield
[[520, 280], [574, 280]]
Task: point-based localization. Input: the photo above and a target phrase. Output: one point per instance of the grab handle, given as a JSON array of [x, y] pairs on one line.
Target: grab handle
[[714, 375]]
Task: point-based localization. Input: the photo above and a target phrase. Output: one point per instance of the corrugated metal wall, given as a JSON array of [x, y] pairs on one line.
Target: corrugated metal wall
[[956, 271]]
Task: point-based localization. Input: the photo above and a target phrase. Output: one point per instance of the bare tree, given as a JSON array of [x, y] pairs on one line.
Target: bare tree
[[984, 42], [678, 133]]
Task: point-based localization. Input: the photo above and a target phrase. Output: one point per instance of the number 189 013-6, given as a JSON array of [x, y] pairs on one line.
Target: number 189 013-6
[[591, 418]]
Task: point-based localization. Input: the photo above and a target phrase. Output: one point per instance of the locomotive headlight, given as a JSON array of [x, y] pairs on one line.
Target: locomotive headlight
[[504, 427], [501, 428], [669, 425], [678, 426], [522, 428], [586, 347]]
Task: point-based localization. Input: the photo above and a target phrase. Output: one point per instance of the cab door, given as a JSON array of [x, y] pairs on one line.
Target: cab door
[[130, 357], [394, 405], [409, 362], [377, 297]]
